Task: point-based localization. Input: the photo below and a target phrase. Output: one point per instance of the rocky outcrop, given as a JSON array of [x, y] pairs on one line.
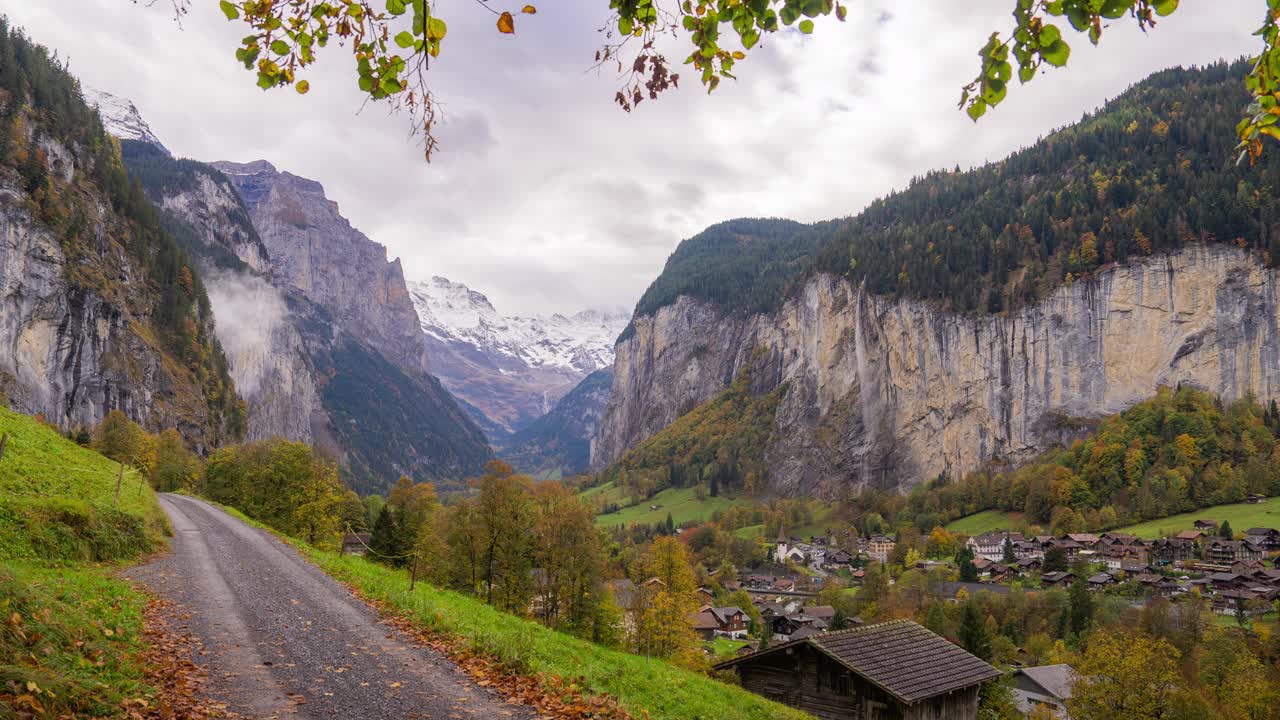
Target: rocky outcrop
[[887, 392], [315, 251]]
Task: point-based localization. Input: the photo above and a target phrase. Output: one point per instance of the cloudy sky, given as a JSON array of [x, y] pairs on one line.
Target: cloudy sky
[[545, 195]]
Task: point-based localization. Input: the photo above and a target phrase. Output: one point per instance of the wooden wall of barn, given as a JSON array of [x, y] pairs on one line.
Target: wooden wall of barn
[[811, 681]]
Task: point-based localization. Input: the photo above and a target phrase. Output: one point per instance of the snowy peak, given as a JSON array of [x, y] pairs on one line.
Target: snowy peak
[[121, 118], [582, 343]]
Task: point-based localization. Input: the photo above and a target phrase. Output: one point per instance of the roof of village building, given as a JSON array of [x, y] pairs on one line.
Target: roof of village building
[[825, 612], [1056, 679], [1190, 534], [900, 657]]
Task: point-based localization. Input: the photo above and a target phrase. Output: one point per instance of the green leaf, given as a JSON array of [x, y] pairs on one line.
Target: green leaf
[[1078, 18], [436, 29], [1113, 9], [228, 9], [625, 27], [404, 39], [280, 47], [366, 83], [1165, 7], [1026, 73], [806, 26], [976, 109], [689, 23], [265, 81], [789, 15], [302, 87], [1049, 35], [396, 7], [1057, 54]]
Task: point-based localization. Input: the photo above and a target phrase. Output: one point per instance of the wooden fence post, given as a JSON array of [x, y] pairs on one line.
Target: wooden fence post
[[119, 479], [413, 573]]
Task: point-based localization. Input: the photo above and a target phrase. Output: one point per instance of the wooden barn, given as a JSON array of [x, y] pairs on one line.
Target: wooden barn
[[889, 671]]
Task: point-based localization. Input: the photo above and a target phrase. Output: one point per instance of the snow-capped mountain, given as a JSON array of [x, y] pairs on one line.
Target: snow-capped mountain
[[121, 118], [511, 369]]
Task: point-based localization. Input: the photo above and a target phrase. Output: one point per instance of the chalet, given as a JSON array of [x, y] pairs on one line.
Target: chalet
[[990, 545], [1069, 546], [879, 547], [1027, 549], [355, 543], [730, 621], [705, 596], [1170, 550], [839, 558], [1057, 579], [1205, 525], [1192, 535], [896, 669], [1265, 538], [1045, 686], [1226, 552], [1100, 581], [1028, 565], [1228, 601], [704, 623], [1223, 581], [1254, 498], [1086, 540], [789, 553]]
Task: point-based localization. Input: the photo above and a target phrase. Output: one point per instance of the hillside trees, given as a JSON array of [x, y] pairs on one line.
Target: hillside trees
[[1181, 450], [1125, 675], [284, 484]]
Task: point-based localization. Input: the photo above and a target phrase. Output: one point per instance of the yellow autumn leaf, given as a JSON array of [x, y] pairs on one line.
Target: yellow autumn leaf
[[506, 23], [529, 10]]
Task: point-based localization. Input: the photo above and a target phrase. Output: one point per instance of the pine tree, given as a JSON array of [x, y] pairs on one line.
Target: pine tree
[[385, 542], [1225, 531], [973, 634], [1080, 602], [1008, 556], [936, 619], [968, 571], [1055, 560]]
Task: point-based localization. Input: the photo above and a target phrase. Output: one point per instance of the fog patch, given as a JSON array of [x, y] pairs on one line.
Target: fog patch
[[247, 312]]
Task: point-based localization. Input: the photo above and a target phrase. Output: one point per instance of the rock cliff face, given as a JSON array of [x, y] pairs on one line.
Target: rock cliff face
[[559, 443], [264, 349], [315, 251], [887, 392]]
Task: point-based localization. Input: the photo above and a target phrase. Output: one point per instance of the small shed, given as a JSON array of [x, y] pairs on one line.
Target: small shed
[[355, 543], [890, 670]]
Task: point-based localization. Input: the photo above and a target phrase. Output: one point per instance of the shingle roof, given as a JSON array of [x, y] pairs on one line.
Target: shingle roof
[[1057, 679], [904, 659]]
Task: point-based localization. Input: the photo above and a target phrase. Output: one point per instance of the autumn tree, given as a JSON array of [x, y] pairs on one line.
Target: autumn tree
[[120, 438], [503, 512], [393, 43], [175, 467], [1125, 675], [1081, 602], [569, 555], [664, 628]]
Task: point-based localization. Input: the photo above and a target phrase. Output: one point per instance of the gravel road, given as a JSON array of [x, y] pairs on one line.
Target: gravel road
[[282, 639]]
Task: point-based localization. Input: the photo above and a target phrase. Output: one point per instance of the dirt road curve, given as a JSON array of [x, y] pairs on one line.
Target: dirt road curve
[[282, 639]]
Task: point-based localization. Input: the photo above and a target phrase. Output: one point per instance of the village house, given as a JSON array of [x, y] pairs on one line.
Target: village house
[[793, 553], [1254, 498], [990, 545], [711, 622], [1069, 546], [1045, 686], [1265, 538], [1209, 526], [895, 669], [1192, 535], [1225, 552], [1166, 551], [1100, 582], [879, 547], [1057, 579]]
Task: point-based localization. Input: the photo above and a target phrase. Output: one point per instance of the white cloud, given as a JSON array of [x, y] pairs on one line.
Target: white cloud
[[548, 197]]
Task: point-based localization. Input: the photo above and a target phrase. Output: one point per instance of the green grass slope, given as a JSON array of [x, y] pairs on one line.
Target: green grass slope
[[682, 503], [985, 521], [1242, 516], [57, 500], [70, 635]]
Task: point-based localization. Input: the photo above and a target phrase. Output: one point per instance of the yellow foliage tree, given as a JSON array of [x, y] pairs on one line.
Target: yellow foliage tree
[[1125, 675]]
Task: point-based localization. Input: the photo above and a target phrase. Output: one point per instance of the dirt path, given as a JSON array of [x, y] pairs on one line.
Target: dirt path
[[282, 639]]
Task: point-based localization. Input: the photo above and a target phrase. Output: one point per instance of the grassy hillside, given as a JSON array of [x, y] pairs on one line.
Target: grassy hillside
[[682, 503], [72, 634], [56, 500], [1242, 516], [646, 688], [984, 521]]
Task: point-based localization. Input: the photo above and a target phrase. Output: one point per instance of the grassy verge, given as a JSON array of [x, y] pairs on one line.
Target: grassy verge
[[70, 643], [1242, 516], [641, 686], [70, 633]]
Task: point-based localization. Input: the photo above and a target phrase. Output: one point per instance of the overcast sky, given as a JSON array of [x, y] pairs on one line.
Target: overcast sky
[[546, 196]]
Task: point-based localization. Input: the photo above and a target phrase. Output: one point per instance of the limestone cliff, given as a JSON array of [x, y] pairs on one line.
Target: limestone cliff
[[887, 392], [317, 252]]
